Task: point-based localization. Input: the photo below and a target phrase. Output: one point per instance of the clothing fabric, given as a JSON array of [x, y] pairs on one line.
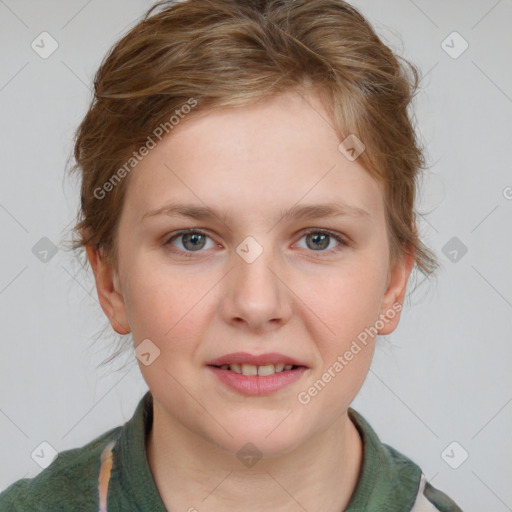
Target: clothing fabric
[[112, 474]]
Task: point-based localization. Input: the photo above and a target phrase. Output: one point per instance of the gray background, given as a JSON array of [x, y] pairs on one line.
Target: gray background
[[444, 376]]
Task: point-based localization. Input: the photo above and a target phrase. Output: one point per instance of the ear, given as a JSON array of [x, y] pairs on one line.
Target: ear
[[109, 290], [393, 299]]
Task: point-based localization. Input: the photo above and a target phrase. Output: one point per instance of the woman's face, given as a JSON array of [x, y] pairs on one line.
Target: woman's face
[[263, 271]]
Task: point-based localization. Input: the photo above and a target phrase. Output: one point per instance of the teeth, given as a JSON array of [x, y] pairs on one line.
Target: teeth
[[235, 368], [268, 369], [251, 369]]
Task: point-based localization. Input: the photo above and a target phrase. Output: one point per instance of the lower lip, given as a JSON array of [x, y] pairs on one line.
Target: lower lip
[[254, 385]]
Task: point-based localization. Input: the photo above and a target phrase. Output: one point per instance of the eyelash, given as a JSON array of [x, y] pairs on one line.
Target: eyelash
[[189, 254]]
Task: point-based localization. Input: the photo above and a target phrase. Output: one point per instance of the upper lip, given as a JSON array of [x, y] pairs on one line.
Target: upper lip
[[256, 360]]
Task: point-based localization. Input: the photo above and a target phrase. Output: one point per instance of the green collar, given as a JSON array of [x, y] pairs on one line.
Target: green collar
[[388, 480], [131, 483]]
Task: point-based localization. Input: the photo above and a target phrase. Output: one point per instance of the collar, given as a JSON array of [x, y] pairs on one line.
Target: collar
[[388, 480], [132, 486]]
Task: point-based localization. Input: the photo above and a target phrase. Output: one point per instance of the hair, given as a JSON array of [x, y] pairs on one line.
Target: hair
[[211, 54]]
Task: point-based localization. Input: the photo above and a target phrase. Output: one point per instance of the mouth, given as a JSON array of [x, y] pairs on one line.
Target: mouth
[[260, 370], [257, 375]]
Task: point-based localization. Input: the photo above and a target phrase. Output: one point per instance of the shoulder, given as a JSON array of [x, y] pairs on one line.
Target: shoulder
[[390, 481], [427, 497], [69, 483]]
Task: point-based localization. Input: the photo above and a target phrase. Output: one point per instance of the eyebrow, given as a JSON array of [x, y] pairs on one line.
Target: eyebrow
[[297, 212]]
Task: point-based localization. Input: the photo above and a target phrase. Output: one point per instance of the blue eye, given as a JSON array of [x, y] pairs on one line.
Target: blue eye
[[320, 239], [194, 240]]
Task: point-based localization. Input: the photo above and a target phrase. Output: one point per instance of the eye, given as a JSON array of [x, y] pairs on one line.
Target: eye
[[188, 241], [318, 240], [191, 240]]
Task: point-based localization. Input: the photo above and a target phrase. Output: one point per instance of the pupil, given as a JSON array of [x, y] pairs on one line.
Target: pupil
[[320, 241], [194, 238], [322, 238]]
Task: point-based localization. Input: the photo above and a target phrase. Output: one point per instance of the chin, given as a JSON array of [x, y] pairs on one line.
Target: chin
[[264, 433]]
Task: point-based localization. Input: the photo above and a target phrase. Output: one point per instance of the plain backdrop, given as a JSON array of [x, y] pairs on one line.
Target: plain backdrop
[[439, 389]]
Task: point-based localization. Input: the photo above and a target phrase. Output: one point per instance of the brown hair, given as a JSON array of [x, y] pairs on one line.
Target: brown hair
[[216, 53]]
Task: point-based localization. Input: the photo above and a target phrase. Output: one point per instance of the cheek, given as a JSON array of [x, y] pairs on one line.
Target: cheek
[[349, 301], [350, 308], [159, 303]]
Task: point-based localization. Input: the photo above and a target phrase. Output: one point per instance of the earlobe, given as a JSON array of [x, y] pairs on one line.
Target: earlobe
[[109, 292], [393, 300]]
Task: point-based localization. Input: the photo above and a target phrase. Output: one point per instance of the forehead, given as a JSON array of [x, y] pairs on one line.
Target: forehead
[[272, 154]]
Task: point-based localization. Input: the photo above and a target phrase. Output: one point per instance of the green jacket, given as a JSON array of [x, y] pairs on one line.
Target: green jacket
[[389, 481]]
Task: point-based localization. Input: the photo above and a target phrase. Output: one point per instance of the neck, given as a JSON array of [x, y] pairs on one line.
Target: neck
[[193, 474]]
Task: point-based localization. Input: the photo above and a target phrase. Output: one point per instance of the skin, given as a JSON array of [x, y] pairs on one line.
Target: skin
[[298, 297]]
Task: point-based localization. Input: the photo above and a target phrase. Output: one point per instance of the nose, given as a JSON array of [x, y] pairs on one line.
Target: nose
[[256, 296]]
